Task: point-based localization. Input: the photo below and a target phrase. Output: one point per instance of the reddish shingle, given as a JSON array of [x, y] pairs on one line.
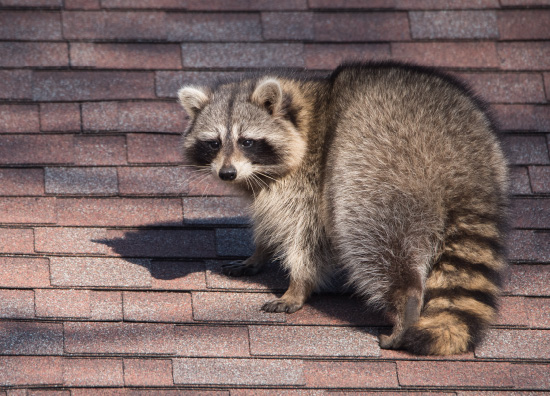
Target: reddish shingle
[[329, 56], [524, 24], [453, 54], [528, 245], [101, 25], [512, 312], [82, 4], [519, 344], [81, 181], [125, 56], [16, 240], [288, 26], [23, 181], [15, 84], [237, 5], [105, 305], [92, 85], [530, 280], [24, 272], [93, 372], [27, 210], [530, 213], [70, 240], [312, 341], [36, 149], [526, 149], [531, 376], [31, 338], [25, 25], [91, 271], [519, 181], [444, 4], [133, 116], [148, 149], [358, 26], [157, 307], [100, 150], [162, 243], [522, 117], [55, 303], [148, 4], [119, 338], [537, 311], [436, 373], [507, 87], [524, 55], [19, 118], [196, 371], [31, 370], [540, 179], [153, 180], [185, 27], [29, 54], [242, 55], [59, 117], [118, 212], [178, 275], [33, 3], [233, 307], [212, 341], [16, 304], [216, 210], [147, 372], [454, 24], [339, 374]]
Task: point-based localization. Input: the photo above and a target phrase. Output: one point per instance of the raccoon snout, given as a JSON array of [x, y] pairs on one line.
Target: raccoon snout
[[228, 173]]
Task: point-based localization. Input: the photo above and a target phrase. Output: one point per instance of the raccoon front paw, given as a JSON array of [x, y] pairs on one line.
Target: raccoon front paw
[[240, 268], [280, 305]]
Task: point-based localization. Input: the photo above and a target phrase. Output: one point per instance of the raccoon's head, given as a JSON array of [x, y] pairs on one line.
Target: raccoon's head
[[243, 131]]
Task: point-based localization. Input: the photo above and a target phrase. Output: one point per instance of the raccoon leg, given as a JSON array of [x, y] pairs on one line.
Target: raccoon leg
[[250, 266], [405, 304], [406, 312], [293, 299]]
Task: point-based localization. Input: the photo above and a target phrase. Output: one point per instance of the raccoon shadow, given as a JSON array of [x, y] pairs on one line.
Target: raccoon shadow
[[156, 248]]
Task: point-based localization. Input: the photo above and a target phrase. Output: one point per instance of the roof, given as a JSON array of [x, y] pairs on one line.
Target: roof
[[110, 251]]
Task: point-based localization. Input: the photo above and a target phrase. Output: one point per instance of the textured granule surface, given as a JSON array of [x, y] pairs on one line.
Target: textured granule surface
[[110, 250]]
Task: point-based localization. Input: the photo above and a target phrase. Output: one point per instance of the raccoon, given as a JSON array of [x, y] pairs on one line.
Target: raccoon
[[391, 172]]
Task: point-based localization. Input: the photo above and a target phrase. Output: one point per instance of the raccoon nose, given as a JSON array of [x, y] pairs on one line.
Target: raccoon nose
[[228, 173]]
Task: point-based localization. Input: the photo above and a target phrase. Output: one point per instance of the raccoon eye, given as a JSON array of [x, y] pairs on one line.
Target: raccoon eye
[[247, 143], [214, 144]]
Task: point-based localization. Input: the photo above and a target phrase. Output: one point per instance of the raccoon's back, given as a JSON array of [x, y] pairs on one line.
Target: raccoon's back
[[406, 130]]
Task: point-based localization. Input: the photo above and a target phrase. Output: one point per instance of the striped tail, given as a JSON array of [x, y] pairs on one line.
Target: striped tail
[[461, 291]]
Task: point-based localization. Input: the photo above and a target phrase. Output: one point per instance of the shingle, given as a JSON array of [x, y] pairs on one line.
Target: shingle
[[312, 341], [215, 340], [197, 371], [233, 307], [518, 344], [31, 338], [119, 338], [454, 374], [454, 24], [81, 181], [234, 242]]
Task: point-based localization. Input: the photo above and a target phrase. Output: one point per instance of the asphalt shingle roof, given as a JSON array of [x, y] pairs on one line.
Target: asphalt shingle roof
[[110, 252]]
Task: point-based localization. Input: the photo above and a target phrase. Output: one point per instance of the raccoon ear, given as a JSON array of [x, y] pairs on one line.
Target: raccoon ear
[[193, 99], [269, 94]]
